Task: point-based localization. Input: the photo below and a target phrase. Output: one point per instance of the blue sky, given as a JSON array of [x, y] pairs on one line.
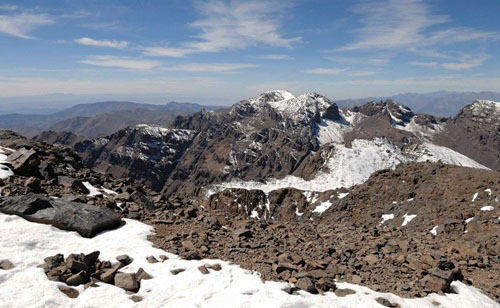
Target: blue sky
[[223, 51]]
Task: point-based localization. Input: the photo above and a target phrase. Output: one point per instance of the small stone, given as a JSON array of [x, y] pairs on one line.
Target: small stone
[[177, 271], [77, 279], [385, 302], [188, 245], [152, 259], [70, 292], [203, 269], [76, 266], [306, 285], [370, 259], [356, 279], [109, 274], [91, 258], [142, 275], [136, 298], [216, 267], [127, 281], [163, 258], [124, 259], [344, 292], [6, 265]]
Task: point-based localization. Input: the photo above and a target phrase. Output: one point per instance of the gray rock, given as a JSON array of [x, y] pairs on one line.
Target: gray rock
[[77, 279], [151, 259], [142, 275], [70, 292], [124, 259], [6, 265], [127, 281], [306, 284], [87, 220], [203, 269], [344, 292]]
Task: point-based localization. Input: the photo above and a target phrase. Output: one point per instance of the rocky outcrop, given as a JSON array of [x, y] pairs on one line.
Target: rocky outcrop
[[87, 220], [144, 152], [81, 269], [475, 132]]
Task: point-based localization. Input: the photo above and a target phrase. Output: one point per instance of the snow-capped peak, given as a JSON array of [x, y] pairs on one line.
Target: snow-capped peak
[[481, 105], [276, 96], [294, 107]]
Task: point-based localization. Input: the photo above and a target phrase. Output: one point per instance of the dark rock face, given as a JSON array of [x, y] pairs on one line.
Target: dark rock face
[[87, 220], [148, 153]]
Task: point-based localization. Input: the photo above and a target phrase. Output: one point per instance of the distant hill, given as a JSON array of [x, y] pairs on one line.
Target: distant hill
[[441, 103], [80, 119]]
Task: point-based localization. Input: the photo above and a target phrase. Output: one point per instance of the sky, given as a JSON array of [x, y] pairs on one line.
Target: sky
[[219, 52]]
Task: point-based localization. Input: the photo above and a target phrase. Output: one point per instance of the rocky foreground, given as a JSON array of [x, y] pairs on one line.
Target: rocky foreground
[[426, 225]]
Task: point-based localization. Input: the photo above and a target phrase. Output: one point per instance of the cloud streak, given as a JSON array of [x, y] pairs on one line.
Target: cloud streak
[[232, 25], [21, 25], [101, 43], [274, 57], [210, 68], [396, 24], [325, 71], [122, 62]]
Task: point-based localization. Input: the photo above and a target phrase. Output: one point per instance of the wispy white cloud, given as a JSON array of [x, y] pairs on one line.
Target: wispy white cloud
[[362, 73], [122, 62], [274, 57], [214, 68], [325, 71], [372, 61], [21, 25], [405, 24], [8, 7], [459, 63], [167, 52], [102, 43], [231, 25], [425, 64], [466, 62]]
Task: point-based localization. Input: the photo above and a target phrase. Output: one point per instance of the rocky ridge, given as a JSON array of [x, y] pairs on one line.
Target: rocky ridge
[[278, 135]]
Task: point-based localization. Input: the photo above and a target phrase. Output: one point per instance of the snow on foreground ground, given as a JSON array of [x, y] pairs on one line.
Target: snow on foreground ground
[[26, 245]]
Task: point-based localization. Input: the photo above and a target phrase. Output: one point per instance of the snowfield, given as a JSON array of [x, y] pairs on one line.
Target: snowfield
[[26, 245], [351, 166]]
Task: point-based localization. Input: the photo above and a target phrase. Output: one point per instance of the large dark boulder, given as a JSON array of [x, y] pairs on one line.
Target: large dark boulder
[[87, 220]]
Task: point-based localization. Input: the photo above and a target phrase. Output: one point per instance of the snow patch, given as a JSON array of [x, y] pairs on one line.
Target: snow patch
[[434, 230], [351, 166], [407, 219], [342, 195], [322, 207], [487, 208], [474, 197], [386, 217]]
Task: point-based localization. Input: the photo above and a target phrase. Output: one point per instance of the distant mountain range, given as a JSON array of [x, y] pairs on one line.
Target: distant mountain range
[[97, 119], [441, 103]]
